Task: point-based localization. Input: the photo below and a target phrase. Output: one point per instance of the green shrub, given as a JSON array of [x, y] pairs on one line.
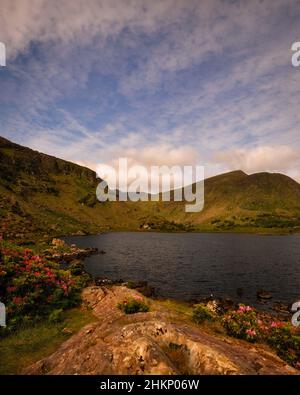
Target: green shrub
[[285, 339], [133, 305], [76, 267], [202, 313]]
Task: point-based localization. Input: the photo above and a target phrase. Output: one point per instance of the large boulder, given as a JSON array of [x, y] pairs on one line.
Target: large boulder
[[156, 342]]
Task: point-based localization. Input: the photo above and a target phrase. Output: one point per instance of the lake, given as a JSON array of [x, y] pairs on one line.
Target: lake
[[189, 266]]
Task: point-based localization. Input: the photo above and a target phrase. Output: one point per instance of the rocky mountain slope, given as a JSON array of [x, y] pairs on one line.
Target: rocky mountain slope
[[162, 341]]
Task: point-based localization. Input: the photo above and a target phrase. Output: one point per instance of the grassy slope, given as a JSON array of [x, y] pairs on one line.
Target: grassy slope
[[42, 195], [31, 344]]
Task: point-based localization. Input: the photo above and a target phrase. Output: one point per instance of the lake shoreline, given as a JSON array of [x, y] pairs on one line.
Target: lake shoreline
[[99, 304], [248, 231]]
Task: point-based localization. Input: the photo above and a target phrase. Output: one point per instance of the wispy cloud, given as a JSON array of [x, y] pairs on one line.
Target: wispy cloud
[[209, 82]]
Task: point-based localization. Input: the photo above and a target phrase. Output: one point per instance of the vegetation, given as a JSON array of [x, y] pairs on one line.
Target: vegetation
[[30, 344], [285, 339], [133, 305], [33, 288], [202, 313], [40, 299], [243, 323], [246, 323], [168, 226]]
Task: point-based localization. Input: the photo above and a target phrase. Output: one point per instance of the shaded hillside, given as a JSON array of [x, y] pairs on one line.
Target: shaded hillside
[[42, 195]]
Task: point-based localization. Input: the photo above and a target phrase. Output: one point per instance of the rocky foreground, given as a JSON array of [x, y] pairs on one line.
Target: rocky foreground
[[161, 341]]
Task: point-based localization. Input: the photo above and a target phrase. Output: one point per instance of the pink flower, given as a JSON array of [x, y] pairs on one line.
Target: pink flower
[[138, 298], [251, 332], [17, 300], [244, 309], [276, 324]]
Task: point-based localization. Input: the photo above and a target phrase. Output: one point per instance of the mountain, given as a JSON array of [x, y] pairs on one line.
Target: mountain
[[43, 195], [258, 200]]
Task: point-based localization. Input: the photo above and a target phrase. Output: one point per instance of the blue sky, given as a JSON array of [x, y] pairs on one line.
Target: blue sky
[[160, 82]]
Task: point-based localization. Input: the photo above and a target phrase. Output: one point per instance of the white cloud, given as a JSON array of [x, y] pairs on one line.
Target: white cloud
[[146, 157], [264, 158], [75, 21]]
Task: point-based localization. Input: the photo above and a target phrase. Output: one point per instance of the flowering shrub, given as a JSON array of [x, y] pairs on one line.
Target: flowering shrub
[[245, 323], [32, 287], [133, 305], [202, 313]]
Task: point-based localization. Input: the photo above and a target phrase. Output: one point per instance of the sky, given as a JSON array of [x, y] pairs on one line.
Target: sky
[[161, 82]]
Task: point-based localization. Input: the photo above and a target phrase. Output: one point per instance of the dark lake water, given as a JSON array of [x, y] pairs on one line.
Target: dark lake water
[[189, 266]]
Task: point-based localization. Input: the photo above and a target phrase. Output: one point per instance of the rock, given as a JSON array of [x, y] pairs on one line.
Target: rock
[[100, 281], [264, 295], [103, 281], [212, 306], [67, 331], [219, 306], [145, 226], [66, 257], [58, 242], [281, 308], [157, 342]]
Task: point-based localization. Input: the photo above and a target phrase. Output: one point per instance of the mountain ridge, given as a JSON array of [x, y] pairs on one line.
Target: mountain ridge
[[41, 195]]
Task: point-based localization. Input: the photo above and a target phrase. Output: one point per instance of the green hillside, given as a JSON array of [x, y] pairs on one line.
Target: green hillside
[[41, 195]]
